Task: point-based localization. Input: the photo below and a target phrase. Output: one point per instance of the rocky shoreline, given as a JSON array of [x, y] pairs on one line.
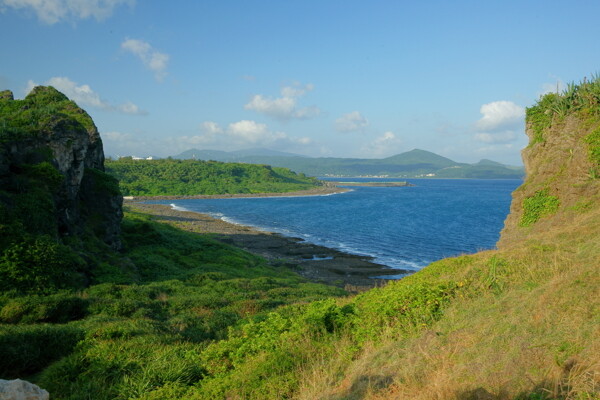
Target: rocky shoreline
[[314, 262], [324, 190]]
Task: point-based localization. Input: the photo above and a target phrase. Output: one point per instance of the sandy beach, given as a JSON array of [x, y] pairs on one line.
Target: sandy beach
[[317, 263]]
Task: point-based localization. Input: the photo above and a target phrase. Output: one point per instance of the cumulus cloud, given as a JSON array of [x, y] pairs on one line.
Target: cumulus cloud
[[150, 57], [85, 96], [284, 107], [242, 134], [499, 115], [383, 145], [351, 122], [500, 122], [53, 11]]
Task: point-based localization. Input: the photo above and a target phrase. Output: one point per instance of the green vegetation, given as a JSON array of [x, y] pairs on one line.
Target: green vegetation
[[538, 206], [593, 142], [125, 339], [42, 110], [189, 177], [582, 98], [179, 315]]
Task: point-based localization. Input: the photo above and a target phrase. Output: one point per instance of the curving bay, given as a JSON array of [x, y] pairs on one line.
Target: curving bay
[[401, 227]]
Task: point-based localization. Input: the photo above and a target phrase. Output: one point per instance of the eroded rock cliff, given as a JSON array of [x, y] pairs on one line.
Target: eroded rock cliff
[[46, 131]]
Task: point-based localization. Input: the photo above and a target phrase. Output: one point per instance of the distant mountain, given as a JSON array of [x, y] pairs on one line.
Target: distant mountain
[[490, 163], [417, 156], [411, 164]]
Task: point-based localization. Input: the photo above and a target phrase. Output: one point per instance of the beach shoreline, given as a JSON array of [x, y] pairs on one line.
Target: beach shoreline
[[316, 263]]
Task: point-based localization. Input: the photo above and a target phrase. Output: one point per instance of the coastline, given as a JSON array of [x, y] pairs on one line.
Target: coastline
[[314, 262], [324, 190]]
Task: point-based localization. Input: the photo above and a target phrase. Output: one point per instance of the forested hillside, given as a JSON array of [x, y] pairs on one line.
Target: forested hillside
[[189, 177]]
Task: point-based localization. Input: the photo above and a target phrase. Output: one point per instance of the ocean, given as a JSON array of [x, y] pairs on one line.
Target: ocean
[[401, 227]]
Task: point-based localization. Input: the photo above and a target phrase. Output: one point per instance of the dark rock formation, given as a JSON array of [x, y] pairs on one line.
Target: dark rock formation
[[46, 127]]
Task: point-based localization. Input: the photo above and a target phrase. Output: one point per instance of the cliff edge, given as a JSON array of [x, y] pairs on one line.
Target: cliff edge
[[54, 193], [562, 163]]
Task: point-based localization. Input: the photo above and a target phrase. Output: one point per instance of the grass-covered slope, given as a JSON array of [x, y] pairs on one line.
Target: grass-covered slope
[[134, 333], [522, 322], [170, 177], [196, 319]]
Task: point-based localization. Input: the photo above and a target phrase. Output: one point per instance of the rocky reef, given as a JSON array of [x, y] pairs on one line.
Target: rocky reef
[[46, 131]]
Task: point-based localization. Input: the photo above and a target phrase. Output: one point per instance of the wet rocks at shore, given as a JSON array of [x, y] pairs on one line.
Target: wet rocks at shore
[[314, 262]]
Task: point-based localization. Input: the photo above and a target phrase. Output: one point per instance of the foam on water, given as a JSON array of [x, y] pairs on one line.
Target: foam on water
[[178, 208]]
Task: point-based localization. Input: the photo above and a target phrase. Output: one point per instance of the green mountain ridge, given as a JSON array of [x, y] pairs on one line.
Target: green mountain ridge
[[411, 164]]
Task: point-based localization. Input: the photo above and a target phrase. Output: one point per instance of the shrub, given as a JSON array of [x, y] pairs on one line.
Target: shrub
[[38, 264], [28, 349], [58, 308]]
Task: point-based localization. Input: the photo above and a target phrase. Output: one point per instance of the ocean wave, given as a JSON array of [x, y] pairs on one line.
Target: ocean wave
[[178, 208]]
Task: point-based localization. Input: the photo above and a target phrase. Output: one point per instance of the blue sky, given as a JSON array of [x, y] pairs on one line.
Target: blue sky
[[320, 78]]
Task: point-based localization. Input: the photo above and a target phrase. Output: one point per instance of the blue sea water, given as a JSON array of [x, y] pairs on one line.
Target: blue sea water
[[402, 227]]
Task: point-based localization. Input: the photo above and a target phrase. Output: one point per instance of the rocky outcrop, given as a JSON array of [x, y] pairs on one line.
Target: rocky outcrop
[[21, 390], [47, 127]]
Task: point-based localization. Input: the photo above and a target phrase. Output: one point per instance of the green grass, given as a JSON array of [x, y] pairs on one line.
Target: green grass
[[133, 333], [540, 204], [582, 98], [593, 142], [38, 113]]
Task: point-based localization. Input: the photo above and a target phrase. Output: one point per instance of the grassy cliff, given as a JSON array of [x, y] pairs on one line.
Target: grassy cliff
[[197, 319], [521, 322]]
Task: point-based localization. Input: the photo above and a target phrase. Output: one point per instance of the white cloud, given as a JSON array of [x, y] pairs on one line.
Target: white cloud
[[242, 134], [351, 122], [53, 11], [130, 108], [151, 58], [499, 115], [252, 132], [500, 123], [284, 107], [83, 95], [384, 145]]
